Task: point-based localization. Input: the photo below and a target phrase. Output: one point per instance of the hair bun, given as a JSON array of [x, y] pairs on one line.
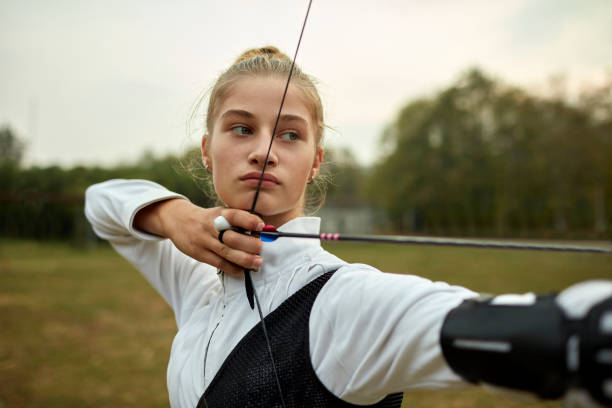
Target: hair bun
[[268, 52]]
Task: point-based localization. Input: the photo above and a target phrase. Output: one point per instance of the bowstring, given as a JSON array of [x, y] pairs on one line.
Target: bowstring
[[280, 110], [248, 281]]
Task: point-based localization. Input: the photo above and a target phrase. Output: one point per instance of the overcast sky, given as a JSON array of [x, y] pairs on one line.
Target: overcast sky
[[91, 82]]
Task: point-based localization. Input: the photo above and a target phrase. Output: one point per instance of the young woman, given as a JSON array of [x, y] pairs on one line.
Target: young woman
[[341, 334]]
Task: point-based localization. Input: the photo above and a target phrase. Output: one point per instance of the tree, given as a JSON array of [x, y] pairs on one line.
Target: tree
[[481, 157], [11, 148]]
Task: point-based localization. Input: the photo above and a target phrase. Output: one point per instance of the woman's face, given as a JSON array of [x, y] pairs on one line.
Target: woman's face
[[236, 149]]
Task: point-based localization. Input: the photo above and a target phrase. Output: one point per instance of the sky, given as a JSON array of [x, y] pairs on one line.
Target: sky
[[99, 83]]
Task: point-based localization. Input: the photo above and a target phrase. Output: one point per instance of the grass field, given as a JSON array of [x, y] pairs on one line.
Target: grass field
[[81, 328]]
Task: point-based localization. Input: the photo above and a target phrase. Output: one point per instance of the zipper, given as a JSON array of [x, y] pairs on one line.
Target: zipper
[[222, 275]]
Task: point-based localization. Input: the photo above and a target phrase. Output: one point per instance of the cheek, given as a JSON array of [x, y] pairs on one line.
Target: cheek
[[302, 167], [221, 151], [223, 161]]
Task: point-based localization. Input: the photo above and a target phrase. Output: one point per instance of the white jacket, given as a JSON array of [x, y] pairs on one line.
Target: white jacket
[[371, 333]]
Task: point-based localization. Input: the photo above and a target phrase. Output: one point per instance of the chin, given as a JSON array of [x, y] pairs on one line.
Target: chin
[[241, 201], [268, 206]]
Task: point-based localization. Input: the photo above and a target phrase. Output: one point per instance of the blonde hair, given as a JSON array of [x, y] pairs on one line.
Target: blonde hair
[[265, 61]]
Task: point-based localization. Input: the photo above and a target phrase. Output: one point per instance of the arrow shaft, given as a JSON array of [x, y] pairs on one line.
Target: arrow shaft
[[458, 242]]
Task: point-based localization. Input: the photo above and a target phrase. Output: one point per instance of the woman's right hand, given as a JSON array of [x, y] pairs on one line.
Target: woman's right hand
[[191, 229]]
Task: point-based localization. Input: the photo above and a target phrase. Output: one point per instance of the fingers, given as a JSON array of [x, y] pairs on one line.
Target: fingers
[[238, 241], [222, 264], [243, 242], [221, 256], [192, 230], [237, 251], [243, 219], [238, 257]]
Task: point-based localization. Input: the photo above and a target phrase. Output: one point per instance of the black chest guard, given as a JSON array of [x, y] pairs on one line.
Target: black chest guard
[[246, 378]]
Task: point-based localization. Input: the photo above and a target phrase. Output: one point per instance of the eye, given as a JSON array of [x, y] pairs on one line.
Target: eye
[[289, 136], [241, 130]]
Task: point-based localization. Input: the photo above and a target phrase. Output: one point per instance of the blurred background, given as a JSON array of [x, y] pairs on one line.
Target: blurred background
[[474, 118]]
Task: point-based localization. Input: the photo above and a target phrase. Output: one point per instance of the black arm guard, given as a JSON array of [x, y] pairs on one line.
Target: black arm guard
[[520, 347], [532, 348]]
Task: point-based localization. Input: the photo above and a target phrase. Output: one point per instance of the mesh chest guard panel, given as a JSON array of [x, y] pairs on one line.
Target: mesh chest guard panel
[[246, 378]]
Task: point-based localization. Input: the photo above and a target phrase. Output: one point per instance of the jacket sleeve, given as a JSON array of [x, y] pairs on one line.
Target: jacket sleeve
[[374, 334], [111, 207]]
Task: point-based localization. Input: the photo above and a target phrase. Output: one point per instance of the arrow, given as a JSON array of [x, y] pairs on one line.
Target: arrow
[[271, 234]]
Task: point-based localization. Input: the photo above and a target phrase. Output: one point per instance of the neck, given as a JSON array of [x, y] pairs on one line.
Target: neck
[[279, 219]]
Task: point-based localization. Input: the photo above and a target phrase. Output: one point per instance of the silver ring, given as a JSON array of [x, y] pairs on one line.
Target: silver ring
[[221, 224]]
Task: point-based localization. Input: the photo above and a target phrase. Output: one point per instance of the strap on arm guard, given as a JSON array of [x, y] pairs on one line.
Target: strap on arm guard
[[534, 348]]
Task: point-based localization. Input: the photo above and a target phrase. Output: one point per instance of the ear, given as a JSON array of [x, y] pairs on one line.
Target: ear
[[318, 159], [205, 158]]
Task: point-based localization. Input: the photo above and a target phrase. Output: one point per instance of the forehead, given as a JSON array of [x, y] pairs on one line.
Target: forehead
[[261, 96]]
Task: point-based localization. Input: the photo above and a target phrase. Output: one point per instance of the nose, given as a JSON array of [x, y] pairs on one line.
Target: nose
[[258, 153]]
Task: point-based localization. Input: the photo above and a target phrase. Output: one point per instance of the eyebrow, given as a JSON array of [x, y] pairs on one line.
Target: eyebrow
[[237, 112], [287, 117], [293, 118]]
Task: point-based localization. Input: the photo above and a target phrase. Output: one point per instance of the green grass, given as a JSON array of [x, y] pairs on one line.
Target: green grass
[[80, 328], [83, 328]]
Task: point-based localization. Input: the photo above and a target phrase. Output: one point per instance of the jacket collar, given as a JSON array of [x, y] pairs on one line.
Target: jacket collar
[[280, 256]]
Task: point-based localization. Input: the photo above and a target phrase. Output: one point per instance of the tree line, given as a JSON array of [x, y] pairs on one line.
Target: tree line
[[485, 158], [47, 202], [478, 158]]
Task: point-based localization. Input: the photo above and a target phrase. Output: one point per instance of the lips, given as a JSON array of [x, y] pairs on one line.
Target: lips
[[253, 178]]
